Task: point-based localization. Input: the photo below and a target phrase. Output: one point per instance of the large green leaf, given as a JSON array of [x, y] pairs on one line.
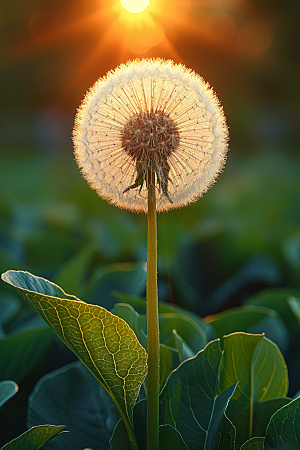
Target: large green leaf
[[277, 299], [34, 438], [169, 360], [256, 443], [263, 411], [190, 400], [225, 438], [186, 327], [21, 352], [257, 364], [169, 357], [8, 389], [184, 350], [127, 313], [252, 319], [283, 431], [239, 319], [71, 395], [169, 438], [102, 341], [119, 439]]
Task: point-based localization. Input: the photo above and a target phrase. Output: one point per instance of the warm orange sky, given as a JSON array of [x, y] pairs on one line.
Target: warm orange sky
[[54, 51]]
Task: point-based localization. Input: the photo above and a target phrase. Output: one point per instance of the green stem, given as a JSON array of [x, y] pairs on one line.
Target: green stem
[[152, 321]]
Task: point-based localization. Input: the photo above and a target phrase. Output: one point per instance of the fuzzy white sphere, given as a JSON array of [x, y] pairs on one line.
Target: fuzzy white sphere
[[150, 114]]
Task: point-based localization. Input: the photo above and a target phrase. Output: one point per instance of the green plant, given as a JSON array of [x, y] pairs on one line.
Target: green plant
[[241, 374], [151, 137]]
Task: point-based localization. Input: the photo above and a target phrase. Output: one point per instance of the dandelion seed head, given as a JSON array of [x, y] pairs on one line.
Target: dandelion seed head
[[150, 115]]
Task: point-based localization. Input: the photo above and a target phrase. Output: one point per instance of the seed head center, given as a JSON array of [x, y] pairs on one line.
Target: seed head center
[[150, 137]]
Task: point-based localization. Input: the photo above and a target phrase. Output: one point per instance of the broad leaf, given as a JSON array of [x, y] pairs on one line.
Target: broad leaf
[[169, 357], [73, 396], [183, 349], [190, 401], [8, 389], [169, 361], [21, 352], [257, 364], [224, 438], [119, 439], [252, 319], [102, 341], [186, 327], [276, 298], [263, 411], [239, 319], [256, 443], [170, 438], [127, 313], [283, 431], [34, 438], [140, 423]]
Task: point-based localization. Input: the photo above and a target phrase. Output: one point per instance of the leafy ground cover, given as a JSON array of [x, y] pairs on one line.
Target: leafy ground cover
[[223, 276], [230, 392]]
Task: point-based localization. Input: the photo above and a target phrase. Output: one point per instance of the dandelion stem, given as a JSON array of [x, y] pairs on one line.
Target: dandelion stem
[[152, 321]]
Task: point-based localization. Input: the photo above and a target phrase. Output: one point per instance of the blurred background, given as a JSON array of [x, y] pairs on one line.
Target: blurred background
[[241, 237], [245, 232]]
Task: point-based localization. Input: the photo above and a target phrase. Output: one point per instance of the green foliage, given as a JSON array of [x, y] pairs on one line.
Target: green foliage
[[21, 352], [181, 336], [190, 400], [227, 395], [252, 319], [283, 431], [72, 274], [277, 299], [170, 438], [8, 389], [103, 342], [129, 278], [225, 439], [256, 443], [263, 411], [9, 306], [71, 395], [259, 368], [34, 438]]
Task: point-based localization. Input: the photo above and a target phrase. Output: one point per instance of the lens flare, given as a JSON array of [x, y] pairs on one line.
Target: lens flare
[[135, 6]]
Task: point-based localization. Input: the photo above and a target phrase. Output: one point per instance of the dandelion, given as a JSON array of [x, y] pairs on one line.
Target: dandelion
[[148, 137], [150, 116]]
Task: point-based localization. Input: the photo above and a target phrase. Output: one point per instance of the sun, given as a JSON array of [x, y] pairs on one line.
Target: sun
[[135, 6]]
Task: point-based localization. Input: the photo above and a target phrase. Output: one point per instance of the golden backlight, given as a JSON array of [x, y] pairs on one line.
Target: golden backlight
[[135, 6]]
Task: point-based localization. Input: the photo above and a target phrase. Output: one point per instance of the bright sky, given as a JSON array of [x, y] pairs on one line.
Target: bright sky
[[135, 6]]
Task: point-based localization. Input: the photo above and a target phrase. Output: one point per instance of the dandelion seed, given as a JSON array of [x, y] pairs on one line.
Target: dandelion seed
[[150, 114]]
